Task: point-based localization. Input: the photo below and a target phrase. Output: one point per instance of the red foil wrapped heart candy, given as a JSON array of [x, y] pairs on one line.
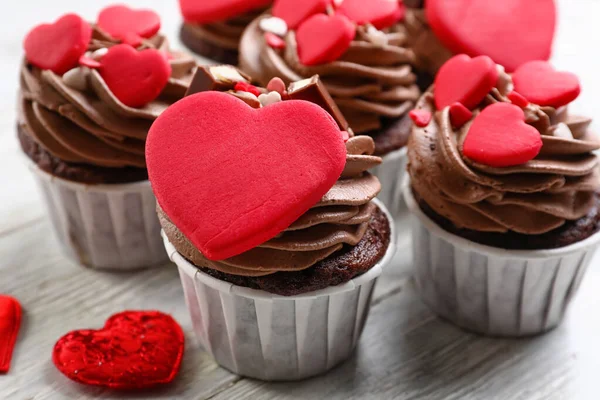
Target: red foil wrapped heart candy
[[134, 350]]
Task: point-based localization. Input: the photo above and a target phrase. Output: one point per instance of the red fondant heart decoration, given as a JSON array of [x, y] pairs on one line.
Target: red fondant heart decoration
[[459, 115], [129, 26], [499, 137], [294, 12], [380, 13], [134, 350], [498, 29], [89, 62], [421, 118], [205, 11], [539, 83], [465, 80], [58, 46], [274, 41], [231, 177], [322, 39], [517, 99], [10, 322], [135, 77]]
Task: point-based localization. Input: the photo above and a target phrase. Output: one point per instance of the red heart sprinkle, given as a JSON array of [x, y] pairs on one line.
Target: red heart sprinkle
[[274, 41], [498, 29], [10, 322], [58, 46], [128, 25], [541, 84], [323, 39], [89, 62], [499, 137], [517, 99], [345, 136], [294, 12], [421, 118], [206, 11], [465, 80], [246, 167], [134, 350], [380, 13], [246, 87], [135, 77], [459, 115]]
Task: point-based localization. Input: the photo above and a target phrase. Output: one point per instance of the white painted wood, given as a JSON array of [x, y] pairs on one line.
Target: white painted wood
[[405, 352]]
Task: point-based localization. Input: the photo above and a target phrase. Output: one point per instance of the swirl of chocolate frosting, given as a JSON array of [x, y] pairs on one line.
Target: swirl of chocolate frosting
[[76, 118], [341, 217], [539, 196], [370, 83]]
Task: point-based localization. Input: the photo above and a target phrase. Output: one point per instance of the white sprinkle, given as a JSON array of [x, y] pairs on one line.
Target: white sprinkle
[[270, 98], [562, 131], [76, 78], [98, 54], [274, 25]]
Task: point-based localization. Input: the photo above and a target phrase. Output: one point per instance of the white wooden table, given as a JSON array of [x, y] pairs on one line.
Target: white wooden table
[[405, 352]]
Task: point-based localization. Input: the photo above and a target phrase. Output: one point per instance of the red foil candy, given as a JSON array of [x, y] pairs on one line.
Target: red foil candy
[[10, 322], [134, 350]]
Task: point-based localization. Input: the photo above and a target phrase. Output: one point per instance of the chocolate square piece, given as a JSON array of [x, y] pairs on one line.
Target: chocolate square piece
[[216, 77]]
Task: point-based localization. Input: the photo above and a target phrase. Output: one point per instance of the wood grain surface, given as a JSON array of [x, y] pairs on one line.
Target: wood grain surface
[[405, 353]]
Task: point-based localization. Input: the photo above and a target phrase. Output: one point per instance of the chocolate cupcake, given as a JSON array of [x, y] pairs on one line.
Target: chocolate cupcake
[[213, 28], [504, 186], [284, 216], [363, 64], [88, 96]]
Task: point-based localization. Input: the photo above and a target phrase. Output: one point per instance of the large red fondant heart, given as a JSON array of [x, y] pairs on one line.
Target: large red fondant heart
[[10, 322], [135, 77], [379, 13], [231, 177], [58, 46], [294, 12], [465, 80], [129, 26], [499, 137], [499, 29], [134, 350], [206, 11], [322, 38], [541, 84]]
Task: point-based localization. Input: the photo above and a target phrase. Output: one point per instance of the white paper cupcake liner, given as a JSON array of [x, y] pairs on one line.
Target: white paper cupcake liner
[[104, 226], [490, 290], [391, 174], [269, 337]]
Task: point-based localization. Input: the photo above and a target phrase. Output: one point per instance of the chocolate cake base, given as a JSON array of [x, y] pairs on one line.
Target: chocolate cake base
[[338, 268], [570, 233], [81, 173], [392, 136], [205, 48]]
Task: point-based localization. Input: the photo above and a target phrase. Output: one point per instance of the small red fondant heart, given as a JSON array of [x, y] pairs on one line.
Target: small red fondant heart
[[10, 322], [294, 12], [274, 41], [135, 77], [206, 11], [134, 350], [459, 115], [231, 177], [89, 62], [379, 13], [322, 39], [539, 83], [499, 137], [517, 99], [421, 118], [498, 29], [465, 80], [58, 46], [129, 26]]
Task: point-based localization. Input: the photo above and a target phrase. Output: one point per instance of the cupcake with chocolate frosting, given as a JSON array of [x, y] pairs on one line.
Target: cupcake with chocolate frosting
[[360, 58], [505, 186], [213, 28], [332, 248], [88, 96]]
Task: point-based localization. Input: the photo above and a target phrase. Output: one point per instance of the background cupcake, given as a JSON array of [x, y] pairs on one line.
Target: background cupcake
[[213, 28], [362, 64], [323, 250], [504, 186], [88, 96]]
